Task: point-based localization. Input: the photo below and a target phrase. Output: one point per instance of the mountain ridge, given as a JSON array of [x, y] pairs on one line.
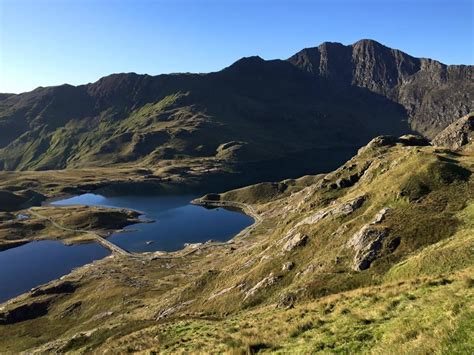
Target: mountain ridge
[[403, 78], [359, 93]]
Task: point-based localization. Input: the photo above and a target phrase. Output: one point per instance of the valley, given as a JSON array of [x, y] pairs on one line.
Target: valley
[[323, 203], [332, 254]]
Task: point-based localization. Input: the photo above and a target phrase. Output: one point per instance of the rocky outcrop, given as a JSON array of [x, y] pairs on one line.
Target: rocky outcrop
[[266, 282], [24, 312], [458, 134], [413, 140], [238, 286], [336, 210], [165, 312], [348, 181], [380, 216], [389, 141], [295, 241], [61, 287], [366, 243]]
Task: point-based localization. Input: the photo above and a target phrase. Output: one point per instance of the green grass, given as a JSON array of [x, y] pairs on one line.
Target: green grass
[[416, 297]]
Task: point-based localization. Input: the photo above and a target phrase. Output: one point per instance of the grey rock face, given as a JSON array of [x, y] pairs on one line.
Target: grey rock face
[[266, 282], [367, 244], [457, 134], [297, 240], [433, 94]]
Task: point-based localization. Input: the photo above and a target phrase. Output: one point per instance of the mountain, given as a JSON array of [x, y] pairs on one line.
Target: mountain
[[432, 93], [253, 110], [324, 98]]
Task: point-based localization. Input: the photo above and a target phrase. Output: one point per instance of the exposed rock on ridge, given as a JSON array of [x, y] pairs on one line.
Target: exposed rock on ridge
[[458, 134], [332, 96], [431, 92]]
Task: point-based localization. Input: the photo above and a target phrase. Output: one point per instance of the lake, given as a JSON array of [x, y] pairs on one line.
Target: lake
[[36, 263], [175, 222]]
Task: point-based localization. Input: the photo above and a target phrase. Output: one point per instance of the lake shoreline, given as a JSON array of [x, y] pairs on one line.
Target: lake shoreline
[[186, 250]]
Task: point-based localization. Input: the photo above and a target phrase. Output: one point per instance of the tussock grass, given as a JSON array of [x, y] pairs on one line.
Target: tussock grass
[[416, 297]]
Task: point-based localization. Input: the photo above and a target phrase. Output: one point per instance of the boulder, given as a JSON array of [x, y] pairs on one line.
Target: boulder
[[380, 216], [288, 266], [367, 243]]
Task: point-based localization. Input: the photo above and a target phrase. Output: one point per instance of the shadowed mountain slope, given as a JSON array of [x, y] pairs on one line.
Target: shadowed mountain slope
[[332, 96]]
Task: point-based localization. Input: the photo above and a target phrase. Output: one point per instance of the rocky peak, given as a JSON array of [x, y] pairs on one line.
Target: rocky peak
[[420, 85], [329, 60], [366, 63], [120, 90], [380, 68]]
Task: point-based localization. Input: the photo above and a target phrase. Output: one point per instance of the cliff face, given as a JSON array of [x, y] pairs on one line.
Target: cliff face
[[432, 93]]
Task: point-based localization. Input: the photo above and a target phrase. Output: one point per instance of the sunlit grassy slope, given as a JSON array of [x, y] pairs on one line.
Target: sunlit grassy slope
[[375, 257]]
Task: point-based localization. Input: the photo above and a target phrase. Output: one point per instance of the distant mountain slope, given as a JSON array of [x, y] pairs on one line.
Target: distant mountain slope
[[432, 93], [254, 110]]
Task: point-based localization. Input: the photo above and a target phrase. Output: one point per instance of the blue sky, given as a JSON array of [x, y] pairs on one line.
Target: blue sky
[[51, 42]]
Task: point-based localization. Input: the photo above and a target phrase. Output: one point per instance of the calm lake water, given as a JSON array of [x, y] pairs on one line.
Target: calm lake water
[[36, 263], [176, 221]]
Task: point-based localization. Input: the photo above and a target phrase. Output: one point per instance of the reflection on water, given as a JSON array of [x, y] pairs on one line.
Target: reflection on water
[[36, 263], [176, 221]]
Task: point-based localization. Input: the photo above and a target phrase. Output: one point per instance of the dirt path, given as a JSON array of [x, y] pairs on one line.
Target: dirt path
[[247, 209], [101, 240]]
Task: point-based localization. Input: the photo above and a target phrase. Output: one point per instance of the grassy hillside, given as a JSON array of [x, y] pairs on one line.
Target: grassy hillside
[[329, 97], [376, 256], [228, 116]]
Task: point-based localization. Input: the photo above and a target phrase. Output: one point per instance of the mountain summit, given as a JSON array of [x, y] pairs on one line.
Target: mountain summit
[[432, 93], [330, 96]]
